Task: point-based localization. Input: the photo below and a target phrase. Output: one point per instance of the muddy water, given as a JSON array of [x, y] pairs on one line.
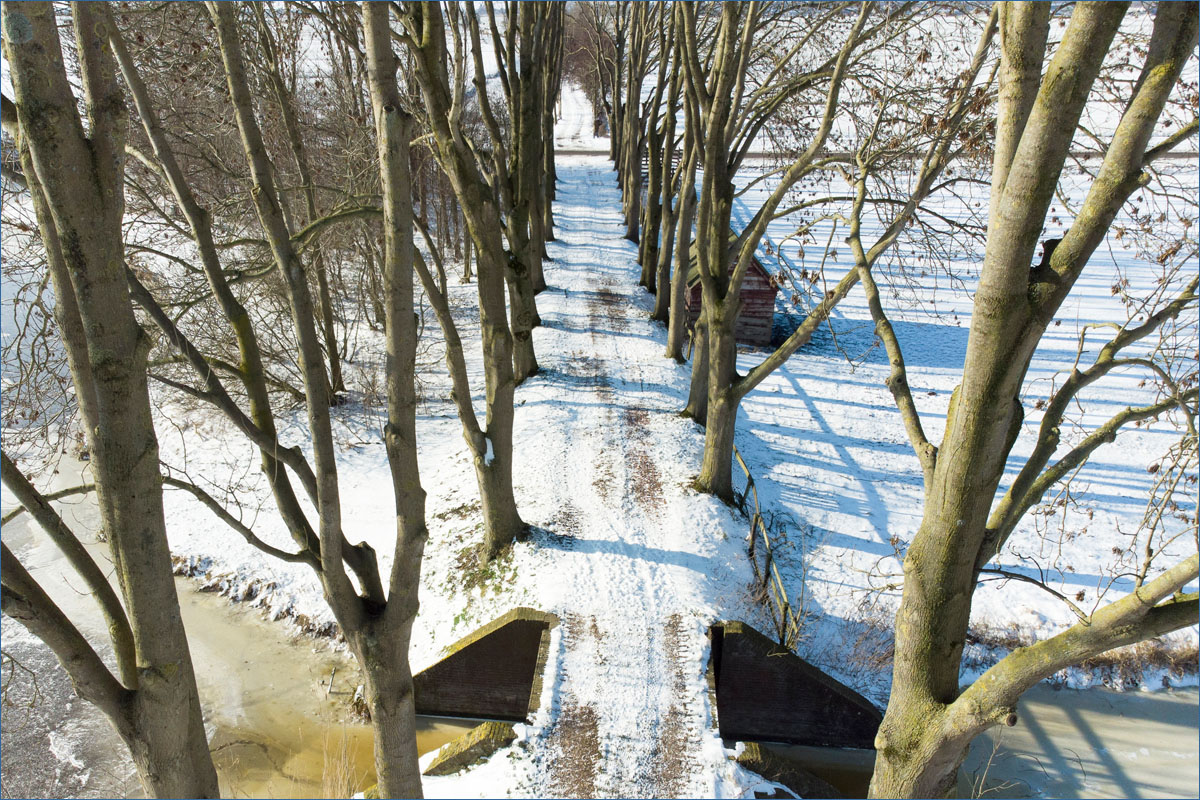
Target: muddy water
[[1094, 743], [278, 725], [282, 725]]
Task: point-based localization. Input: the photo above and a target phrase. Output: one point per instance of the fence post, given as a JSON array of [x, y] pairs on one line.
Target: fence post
[[787, 626]]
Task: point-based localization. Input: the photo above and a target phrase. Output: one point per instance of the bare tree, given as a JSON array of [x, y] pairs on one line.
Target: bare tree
[[442, 78], [930, 721], [76, 184], [588, 55], [284, 91], [730, 97], [377, 625]]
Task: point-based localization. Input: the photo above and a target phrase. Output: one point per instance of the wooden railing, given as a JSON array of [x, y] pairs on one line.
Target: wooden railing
[[769, 581]]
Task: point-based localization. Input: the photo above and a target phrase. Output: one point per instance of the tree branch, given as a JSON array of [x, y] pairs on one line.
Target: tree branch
[[78, 557], [25, 601], [1140, 615], [303, 557]]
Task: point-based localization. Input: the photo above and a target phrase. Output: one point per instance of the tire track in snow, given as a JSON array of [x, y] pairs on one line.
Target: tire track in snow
[[628, 714]]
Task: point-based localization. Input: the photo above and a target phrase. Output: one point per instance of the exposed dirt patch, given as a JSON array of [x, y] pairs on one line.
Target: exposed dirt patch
[[645, 482], [636, 418], [614, 308], [566, 523], [603, 481], [458, 512], [563, 531], [591, 373], [608, 307], [673, 760], [646, 485], [575, 738], [596, 377]]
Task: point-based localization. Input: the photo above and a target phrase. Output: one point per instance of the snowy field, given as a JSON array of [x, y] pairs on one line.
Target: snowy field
[[826, 444]]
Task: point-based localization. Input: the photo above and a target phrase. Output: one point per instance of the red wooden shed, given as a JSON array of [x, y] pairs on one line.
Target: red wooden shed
[[758, 300]]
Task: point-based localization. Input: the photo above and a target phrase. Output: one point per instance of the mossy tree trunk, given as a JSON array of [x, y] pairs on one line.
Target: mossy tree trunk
[[677, 314], [78, 185], [930, 721], [382, 643], [658, 162], [670, 198], [640, 17], [526, 277], [551, 90]]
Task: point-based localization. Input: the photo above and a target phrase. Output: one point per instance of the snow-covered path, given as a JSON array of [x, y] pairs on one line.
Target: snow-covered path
[[626, 715], [634, 562]]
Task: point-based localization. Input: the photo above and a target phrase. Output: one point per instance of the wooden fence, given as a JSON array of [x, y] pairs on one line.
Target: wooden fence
[[766, 574]]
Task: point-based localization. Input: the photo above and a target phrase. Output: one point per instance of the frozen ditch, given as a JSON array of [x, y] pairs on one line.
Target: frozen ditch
[[1067, 743], [277, 706]]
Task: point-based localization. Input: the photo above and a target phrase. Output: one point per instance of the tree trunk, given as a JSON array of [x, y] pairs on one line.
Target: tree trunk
[[929, 767], [328, 324], [170, 762], [697, 404], [716, 467], [523, 316], [252, 373], [501, 522], [82, 184], [648, 241], [669, 210], [678, 311], [930, 722], [551, 87], [388, 685], [529, 162], [477, 199]]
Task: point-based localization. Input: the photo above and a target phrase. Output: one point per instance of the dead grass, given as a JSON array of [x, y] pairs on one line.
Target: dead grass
[[566, 522], [462, 511], [610, 307], [1127, 665], [573, 739], [340, 778], [645, 479], [469, 574], [603, 481]]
